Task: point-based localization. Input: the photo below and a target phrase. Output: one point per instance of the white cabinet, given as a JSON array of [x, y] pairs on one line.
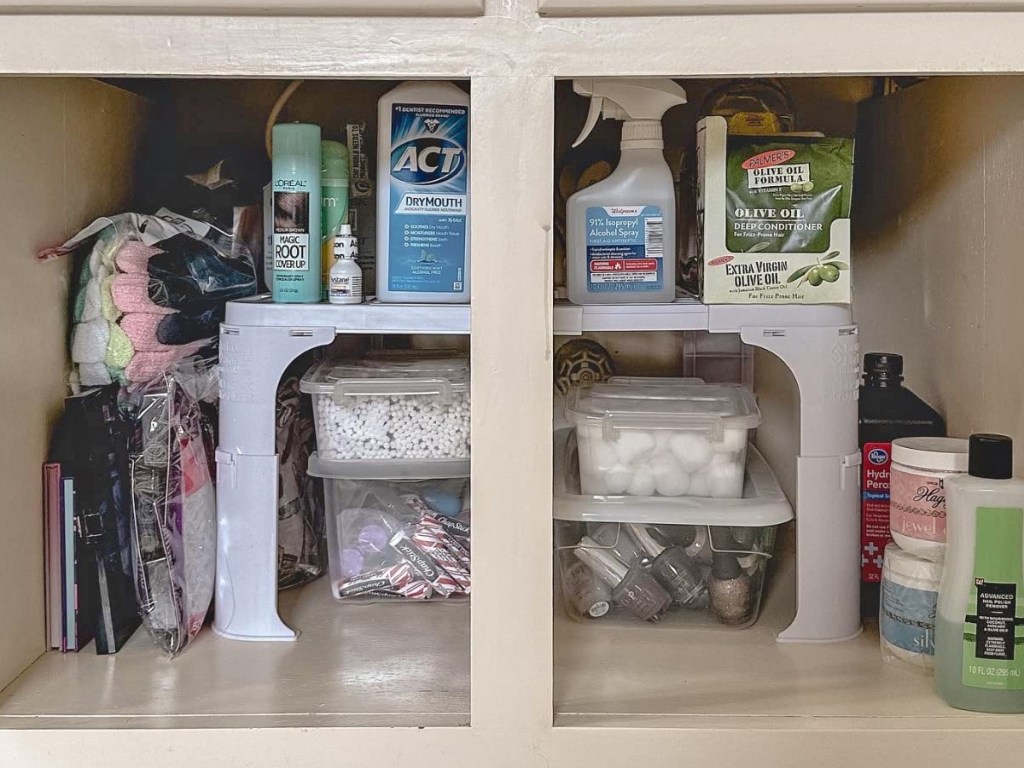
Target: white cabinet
[[505, 682], [681, 7], [253, 8]]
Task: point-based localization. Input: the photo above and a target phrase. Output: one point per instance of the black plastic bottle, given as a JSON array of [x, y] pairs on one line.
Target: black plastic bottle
[[887, 410]]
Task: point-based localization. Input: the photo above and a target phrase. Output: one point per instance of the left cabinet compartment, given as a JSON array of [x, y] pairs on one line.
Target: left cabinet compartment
[[80, 149]]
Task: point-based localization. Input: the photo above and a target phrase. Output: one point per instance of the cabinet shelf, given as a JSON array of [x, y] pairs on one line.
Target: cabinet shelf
[[370, 317], [687, 313], [658, 677], [355, 665]]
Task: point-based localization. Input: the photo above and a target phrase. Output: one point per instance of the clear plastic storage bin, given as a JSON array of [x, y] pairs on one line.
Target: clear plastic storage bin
[[397, 536], [672, 439], [391, 408], [678, 561]]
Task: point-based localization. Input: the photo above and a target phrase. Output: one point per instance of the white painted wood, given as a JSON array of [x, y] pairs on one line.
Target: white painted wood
[[940, 267], [670, 7], [255, 8], [801, 710], [692, 46], [67, 148], [356, 665], [678, 678], [512, 128]]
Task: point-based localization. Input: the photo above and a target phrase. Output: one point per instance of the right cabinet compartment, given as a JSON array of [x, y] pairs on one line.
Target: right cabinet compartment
[[935, 274]]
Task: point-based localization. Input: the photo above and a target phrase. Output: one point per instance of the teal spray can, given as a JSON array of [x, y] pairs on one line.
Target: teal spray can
[[296, 211]]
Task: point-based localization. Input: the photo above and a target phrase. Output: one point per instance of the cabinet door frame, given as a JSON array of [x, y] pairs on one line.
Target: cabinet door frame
[[583, 8], [254, 8]]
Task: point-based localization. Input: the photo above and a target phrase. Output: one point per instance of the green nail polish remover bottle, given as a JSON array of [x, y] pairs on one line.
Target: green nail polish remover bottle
[[979, 640]]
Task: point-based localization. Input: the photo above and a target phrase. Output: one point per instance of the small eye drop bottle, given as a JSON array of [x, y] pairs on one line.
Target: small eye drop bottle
[[346, 285]]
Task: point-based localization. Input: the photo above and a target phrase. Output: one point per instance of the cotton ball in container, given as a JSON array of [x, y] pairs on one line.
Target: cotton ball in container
[[599, 453], [724, 458], [692, 450], [642, 483], [617, 479], [725, 480], [699, 485], [593, 484], [661, 439], [672, 484], [670, 479], [733, 441], [633, 445]]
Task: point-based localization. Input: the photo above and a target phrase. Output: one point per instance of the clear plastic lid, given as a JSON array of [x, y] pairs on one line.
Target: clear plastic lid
[[403, 374], [711, 407], [387, 469], [763, 502], [654, 381]]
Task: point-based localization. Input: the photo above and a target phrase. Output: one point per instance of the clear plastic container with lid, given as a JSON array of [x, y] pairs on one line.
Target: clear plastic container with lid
[[681, 562], [391, 407], [396, 531], [917, 492], [678, 439]]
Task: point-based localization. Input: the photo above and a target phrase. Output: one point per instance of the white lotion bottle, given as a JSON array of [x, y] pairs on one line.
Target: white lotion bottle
[[423, 194], [621, 232], [979, 640]]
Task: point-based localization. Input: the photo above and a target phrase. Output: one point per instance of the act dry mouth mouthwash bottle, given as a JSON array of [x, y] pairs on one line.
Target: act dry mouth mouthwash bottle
[[423, 194]]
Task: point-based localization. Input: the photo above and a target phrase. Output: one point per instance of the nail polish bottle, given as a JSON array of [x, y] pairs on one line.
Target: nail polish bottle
[[589, 595], [730, 589], [669, 565], [633, 588], [699, 549], [613, 536]]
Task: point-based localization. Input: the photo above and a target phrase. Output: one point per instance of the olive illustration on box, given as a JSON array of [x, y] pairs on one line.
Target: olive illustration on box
[[822, 271]]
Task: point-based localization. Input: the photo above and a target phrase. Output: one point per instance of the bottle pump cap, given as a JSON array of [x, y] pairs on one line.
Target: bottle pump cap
[[991, 457]]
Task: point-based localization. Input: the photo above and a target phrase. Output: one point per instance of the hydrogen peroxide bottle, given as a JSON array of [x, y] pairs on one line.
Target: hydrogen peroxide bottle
[[887, 411]]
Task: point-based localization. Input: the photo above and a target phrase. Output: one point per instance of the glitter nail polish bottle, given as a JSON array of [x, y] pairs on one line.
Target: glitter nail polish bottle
[[730, 589]]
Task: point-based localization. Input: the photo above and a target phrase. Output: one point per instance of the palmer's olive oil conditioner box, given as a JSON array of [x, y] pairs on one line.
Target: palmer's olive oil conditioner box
[[773, 217]]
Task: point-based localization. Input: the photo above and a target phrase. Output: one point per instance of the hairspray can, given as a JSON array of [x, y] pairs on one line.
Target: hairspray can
[[296, 234]]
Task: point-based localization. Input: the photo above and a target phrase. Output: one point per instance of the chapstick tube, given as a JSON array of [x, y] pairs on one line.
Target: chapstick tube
[[423, 564]]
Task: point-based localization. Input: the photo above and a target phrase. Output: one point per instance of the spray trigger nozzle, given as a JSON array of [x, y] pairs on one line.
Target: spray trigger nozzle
[[596, 106], [629, 100]]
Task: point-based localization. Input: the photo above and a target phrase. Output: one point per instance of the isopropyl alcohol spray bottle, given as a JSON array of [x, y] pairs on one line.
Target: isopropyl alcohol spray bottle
[[423, 194], [621, 232]]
